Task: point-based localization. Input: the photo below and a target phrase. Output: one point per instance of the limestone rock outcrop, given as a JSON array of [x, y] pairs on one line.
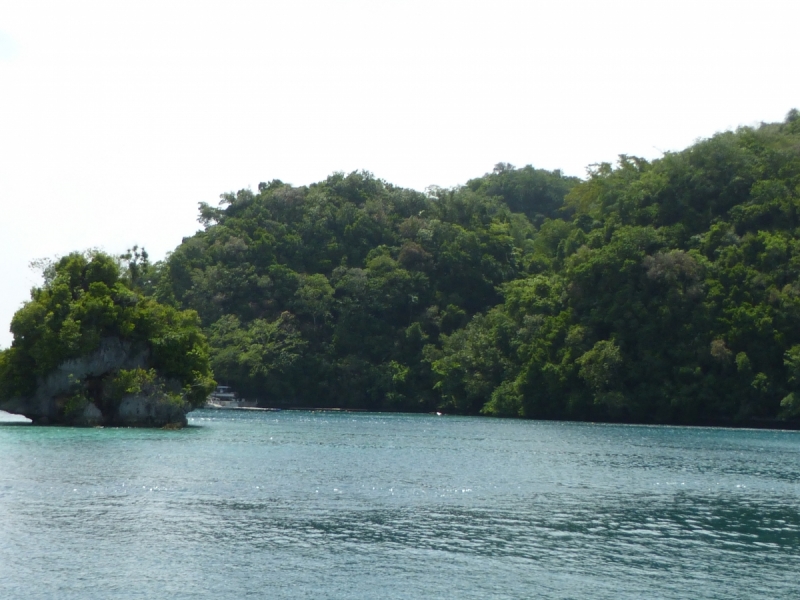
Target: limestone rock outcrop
[[149, 411], [75, 393]]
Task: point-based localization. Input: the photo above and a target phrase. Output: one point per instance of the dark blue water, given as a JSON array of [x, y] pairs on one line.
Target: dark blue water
[[322, 505]]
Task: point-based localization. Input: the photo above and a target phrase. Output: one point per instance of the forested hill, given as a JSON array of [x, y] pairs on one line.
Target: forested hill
[[663, 291]]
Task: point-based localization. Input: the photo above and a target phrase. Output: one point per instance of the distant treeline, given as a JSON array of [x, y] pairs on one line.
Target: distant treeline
[[658, 292]]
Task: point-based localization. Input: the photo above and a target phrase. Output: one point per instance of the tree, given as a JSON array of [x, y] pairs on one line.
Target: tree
[[314, 296]]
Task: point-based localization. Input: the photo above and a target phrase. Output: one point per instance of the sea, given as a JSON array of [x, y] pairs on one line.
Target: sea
[[291, 504]]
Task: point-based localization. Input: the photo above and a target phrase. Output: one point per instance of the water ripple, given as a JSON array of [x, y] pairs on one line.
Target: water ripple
[[362, 506]]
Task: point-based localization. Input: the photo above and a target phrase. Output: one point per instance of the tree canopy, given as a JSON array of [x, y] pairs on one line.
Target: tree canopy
[[88, 298], [661, 291]]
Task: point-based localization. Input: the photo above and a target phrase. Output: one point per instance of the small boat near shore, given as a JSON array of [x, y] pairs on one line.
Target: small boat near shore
[[224, 397]]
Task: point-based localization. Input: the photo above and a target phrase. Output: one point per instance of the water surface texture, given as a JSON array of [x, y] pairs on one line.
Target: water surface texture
[[327, 505]]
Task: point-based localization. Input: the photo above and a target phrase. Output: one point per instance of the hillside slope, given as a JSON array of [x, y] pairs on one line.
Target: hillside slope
[[663, 291]]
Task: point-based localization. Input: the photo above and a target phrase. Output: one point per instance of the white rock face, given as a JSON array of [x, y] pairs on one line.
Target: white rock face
[[113, 354], [91, 416], [149, 411], [46, 406]]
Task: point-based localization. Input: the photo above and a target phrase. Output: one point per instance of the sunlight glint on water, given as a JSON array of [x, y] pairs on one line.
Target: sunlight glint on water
[[294, 505]]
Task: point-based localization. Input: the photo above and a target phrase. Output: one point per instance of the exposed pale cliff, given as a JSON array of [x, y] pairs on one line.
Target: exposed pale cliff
[[88, 350], [110, 386]]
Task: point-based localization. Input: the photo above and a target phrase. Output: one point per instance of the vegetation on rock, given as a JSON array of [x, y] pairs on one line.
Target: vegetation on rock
[[89, 337], [664, 291]]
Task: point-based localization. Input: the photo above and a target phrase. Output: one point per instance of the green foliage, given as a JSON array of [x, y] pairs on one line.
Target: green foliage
[[131, 382], [75, 403], [87, 298], [138, 381], [653, 291], [669, 295], [599, 368], [259, 357], [536, 193], [314, 296], [327, 294]]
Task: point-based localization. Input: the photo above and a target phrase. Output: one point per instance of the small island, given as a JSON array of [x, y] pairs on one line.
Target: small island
[[90, 350]]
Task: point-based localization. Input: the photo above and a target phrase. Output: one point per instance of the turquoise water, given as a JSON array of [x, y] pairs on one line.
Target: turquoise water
[[325, 505]]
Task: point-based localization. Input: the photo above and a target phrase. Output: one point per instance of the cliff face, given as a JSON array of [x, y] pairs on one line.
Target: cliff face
[[78, 393]]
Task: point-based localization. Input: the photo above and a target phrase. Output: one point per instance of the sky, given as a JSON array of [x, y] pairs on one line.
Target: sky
[[118, 118]]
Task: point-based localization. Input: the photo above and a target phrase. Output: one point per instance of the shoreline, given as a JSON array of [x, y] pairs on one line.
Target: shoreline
[[754, 424]]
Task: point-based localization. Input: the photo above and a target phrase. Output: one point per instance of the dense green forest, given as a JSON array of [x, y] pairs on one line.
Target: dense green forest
[[343, 293], [663, 291]]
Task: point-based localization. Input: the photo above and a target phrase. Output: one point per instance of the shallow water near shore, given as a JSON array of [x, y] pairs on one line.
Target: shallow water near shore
[[338, 505]]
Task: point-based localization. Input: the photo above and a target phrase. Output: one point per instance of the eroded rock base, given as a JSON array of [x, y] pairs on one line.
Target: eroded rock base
[[75, 394]]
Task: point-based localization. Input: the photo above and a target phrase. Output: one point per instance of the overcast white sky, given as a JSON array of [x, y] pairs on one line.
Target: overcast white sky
[[117, 118]]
